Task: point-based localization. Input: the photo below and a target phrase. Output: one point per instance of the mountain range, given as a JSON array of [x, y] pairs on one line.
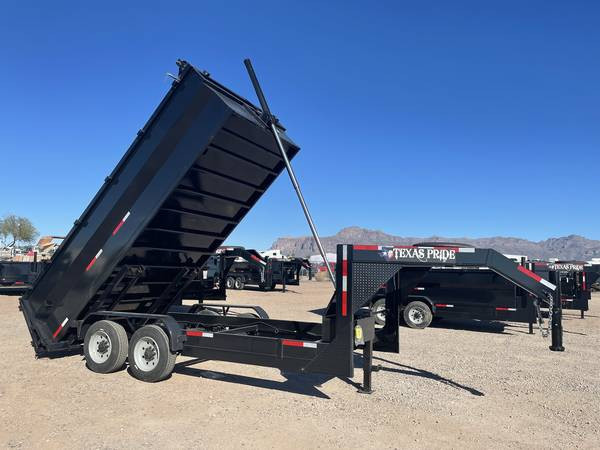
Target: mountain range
[[572, 247]]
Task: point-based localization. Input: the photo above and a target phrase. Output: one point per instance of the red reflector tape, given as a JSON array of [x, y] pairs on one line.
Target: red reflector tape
[[367, 247], [529, 273], [256, 258], [60, 327], [93, 261], [444, 305], [199, 334], [506, 309], [120, 224], [290, 343]]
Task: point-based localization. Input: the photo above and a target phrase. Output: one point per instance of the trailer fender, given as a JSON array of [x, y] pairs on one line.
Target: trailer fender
[[175, 332]]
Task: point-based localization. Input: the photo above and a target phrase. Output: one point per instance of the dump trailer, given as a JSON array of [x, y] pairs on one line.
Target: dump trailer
[[247, 267], [592, 275], [17, 277], [203, 160], [575, 277], [497, 290]]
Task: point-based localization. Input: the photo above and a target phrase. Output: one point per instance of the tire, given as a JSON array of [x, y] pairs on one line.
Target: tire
[[105, 346], [378, 311], [239, 284], [150, 356], [417, 315], [229, 283]]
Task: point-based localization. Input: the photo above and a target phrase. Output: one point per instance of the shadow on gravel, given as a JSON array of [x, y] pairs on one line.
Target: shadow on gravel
[[305, 384], [471, 325], [413, 371], [277, 289]]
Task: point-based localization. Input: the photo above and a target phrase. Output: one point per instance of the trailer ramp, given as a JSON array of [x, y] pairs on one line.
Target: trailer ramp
[[193, 172]]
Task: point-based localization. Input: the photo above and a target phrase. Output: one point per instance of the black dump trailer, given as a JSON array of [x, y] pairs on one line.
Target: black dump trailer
[[575, 277], [247, 267], [194, 171], [592, 277], [16, 277], [488, 292]]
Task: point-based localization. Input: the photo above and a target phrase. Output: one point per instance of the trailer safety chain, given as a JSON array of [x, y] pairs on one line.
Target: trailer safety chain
[[540, 320]]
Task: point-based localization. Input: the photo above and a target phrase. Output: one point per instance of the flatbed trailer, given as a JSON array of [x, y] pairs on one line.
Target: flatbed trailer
[[113, 288]]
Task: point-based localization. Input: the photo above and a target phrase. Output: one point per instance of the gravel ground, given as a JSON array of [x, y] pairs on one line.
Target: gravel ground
[[480, 387]]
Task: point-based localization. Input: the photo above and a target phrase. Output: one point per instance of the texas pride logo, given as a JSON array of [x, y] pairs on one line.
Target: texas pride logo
[[422, 254]]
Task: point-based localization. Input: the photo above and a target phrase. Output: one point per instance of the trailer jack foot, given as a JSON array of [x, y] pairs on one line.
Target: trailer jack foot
[[558, 348], [366, 387]]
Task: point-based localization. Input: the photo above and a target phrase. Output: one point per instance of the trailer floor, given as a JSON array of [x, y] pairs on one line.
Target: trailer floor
[[478, 388]]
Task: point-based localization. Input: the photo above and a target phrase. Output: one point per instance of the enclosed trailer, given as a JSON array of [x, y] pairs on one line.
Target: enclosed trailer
[[114, 287]]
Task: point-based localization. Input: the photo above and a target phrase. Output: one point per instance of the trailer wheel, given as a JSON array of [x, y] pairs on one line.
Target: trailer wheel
[[239, 284], [229, 283], [105, 346], [150, 357], [378, 311], [417, 315]]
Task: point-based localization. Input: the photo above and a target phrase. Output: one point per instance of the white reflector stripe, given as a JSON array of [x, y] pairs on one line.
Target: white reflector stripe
[[193, 333], [444, 305], [547, 284], [466, 250], [291, 343], [419, 289], [93, 261], [505, 309], [60, 327]]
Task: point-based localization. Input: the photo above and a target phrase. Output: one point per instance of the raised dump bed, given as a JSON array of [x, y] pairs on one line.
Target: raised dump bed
[[194, 171]]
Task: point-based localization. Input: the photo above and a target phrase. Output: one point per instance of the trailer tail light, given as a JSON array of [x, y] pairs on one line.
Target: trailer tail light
[[60, 327], [120, 224], [502, 308], [291, 343], [205, 334]]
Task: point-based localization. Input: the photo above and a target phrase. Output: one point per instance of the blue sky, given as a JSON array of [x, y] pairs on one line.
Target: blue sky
[[416, 118]]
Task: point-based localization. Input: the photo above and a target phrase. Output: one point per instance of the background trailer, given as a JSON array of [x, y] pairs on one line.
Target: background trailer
[[576, 279], [247, 267]]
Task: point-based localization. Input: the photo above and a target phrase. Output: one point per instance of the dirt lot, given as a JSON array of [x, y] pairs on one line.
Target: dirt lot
[[486, 386]]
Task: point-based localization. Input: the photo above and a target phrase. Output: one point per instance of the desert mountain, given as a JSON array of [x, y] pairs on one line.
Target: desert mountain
[[567, 247]]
